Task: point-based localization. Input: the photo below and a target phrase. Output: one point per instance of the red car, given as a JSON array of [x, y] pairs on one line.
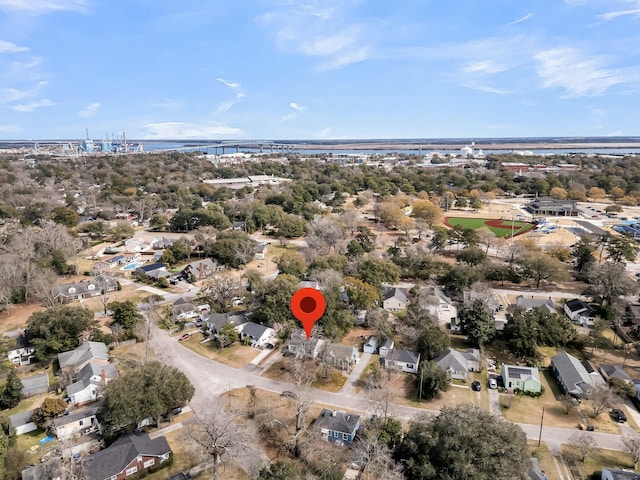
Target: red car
[[184, 337]]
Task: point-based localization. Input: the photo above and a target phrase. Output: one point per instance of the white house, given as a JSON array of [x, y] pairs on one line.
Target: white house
[[402, 360], [386, 347], [439, 305], [89, 383], [371, 345], [80, 422], [184, 309], [342, 356], [457, 364], [259, 335], [22, 353], [261, 251], [579, 312], [395, 299], [301, 347]]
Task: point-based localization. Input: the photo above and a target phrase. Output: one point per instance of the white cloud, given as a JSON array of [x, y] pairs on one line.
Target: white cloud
[[521, 19], [227, 83], [9, 47], [621, 13], [189, 130], [488, 89], [579, 76], [484, 66], [39, 7], [296, 109], [90, 110], [10, 95], [30, 107], [327, 32]]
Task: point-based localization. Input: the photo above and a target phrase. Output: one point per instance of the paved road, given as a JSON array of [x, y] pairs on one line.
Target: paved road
[[211, 379]]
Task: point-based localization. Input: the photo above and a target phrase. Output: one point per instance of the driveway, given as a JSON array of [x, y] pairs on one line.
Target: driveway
[[494, 401], [349, 387]]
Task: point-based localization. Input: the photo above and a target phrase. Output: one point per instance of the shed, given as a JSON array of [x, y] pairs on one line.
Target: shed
[[371, 346]]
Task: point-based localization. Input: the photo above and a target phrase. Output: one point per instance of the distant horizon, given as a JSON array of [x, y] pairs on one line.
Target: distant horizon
[[412, 140]]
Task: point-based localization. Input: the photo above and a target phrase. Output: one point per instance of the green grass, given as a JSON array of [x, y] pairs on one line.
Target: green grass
[[476, 223]]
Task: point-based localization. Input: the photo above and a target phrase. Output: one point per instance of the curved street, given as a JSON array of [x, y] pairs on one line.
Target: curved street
[[211, 379]]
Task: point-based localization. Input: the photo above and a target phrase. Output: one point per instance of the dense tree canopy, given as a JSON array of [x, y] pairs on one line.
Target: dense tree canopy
[[464, 442], [148, 391], [58, 329]]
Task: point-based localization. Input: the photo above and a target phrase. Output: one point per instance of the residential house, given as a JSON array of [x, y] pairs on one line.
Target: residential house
[[579, 312], [22, 353], [184, 309], [403, 360], [89, 382], [528, 304], [87, 352], [134, 245], [386, 347], [524, 379], [361, 317], [216, 321], [394, 299], [261, 251], [239, 225], [153, 271], [92, 288], [338, 427], [51, 470], [457, 363], [609, 372], [129, 454], [21, 423], [343, 357], [438, 304], [79, 422], [613, 474], [35, 385], [371, 345], [161, 243], [573, 376], [309, 284], [201, 269], [301, 347], [257, 335]]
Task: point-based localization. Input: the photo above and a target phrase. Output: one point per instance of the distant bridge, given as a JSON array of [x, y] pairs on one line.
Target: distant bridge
[[222, 146]]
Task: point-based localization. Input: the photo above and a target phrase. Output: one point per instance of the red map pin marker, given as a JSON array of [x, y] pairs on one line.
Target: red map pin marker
[[308, 305]]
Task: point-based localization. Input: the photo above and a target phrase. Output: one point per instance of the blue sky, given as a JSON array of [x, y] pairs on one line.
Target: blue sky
[[289, 69]]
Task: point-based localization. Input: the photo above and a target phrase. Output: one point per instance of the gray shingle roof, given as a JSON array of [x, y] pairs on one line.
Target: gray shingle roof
[[35, 382], [44, 471], [615, 371], [20, 419], [76, 415], [520, 373], [91, 369], [342, 422], [572, 372], [254, 330], [85, 352], [404, 356], [122, 452], [452, 359], [528, 303]]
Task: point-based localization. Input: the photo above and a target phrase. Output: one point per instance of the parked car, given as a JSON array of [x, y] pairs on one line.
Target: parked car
[[476, 386], [618, 415], [493, 383], [184, 337]]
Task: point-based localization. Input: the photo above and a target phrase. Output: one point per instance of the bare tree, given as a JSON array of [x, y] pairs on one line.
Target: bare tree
[[380, 399], [376, 457], [103, 282], [583, 442], [221, 289], [43, 287], [631, 445], [350, 220], [323, 234], [219, 436], [601, 399], [303, 376], [568, 403]]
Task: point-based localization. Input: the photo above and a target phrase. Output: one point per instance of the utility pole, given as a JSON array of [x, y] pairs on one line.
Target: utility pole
[[541, 420]]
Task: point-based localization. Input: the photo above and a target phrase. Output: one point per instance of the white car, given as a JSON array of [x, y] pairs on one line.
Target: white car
[[493, 383]]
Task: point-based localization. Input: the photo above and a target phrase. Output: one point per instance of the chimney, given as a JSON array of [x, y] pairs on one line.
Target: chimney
[[103, 377]]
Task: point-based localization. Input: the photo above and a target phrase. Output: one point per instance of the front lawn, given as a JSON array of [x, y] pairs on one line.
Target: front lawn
[[236, 355]]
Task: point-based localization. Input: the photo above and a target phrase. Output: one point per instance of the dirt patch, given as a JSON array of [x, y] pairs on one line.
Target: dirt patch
[[16, 316], [356, 337]]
